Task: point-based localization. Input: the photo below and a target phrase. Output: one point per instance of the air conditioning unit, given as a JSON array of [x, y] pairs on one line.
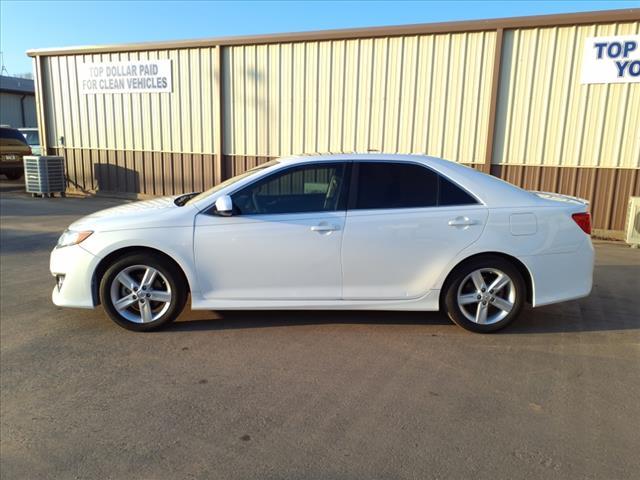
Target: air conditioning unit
[[44, 175], [633, 221]]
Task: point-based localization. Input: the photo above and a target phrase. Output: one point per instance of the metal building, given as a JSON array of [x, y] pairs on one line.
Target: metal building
[[17, 102], [507, 96]]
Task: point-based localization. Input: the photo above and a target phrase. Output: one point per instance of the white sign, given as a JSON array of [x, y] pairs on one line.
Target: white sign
[[142, 76], [611, 59]]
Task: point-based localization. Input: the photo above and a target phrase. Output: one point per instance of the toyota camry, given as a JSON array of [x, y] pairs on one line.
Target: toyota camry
[[352, 232]]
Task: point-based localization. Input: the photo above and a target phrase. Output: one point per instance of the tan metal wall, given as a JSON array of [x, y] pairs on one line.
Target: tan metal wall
[[427, 94], [546, 117], [149, 143], [183, 121]]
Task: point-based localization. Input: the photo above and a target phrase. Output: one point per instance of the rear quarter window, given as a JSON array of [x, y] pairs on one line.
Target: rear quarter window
[[450, 194]]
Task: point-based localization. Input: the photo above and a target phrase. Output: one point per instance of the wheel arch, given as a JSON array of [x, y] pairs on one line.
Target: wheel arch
[[109, 259], [517, 263]]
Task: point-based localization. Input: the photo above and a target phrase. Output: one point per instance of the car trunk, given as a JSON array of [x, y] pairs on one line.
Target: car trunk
[[566, 199]]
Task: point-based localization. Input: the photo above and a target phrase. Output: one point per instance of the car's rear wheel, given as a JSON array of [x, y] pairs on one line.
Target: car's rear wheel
[[485, 294], [143, 292]]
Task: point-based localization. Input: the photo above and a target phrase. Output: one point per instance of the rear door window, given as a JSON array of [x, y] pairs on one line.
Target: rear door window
[[395, 185], [392, 185]]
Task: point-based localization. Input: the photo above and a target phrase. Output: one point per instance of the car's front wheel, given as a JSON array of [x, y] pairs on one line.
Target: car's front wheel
[[143, 292], [485, 294]]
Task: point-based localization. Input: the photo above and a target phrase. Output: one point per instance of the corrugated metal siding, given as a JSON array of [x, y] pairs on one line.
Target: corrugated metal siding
[[422, 94], [183, 121], [127, 171], [236, 164], [546, 117]]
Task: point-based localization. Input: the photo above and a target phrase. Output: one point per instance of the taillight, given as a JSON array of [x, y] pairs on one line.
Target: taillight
[[583, 220]]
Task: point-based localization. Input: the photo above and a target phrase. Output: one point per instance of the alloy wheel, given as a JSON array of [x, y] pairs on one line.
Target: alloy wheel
[[140, 293], [486, 296]]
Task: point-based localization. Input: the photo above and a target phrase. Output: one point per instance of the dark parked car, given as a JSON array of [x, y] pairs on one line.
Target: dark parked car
[[13, 147]]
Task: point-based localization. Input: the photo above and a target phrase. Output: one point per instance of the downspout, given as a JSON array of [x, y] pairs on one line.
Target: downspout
[[24, 123]]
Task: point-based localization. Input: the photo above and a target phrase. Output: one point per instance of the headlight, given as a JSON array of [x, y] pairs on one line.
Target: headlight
[[70, 237]]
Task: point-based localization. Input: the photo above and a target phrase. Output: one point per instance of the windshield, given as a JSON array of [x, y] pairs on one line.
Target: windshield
[[31, 136], [230, 181]]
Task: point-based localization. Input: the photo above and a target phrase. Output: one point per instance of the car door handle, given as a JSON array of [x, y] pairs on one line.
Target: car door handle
[[462, 222], [324, 228]]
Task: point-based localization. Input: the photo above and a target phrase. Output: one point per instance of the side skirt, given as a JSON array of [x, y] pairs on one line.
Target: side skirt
[[429, 302]]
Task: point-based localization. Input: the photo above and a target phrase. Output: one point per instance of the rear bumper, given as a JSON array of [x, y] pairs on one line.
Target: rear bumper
[[77, 266], [11, 165], [560, 277]]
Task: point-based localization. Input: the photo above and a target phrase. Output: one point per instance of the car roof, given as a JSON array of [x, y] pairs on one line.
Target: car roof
[[374, 156], [7, 127], [427, 160]]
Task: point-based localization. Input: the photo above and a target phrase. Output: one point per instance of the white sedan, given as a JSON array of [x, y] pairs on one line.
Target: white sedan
[[358, 232]]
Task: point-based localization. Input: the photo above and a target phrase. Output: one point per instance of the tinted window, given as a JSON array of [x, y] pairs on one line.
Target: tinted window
[[312, 188], [451, 194], [32, 137], [396, 185]]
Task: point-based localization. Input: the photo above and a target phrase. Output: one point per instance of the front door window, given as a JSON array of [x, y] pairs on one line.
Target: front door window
[[305, 189]]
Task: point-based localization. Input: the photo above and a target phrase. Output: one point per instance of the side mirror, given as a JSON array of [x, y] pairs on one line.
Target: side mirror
[[224, 206]]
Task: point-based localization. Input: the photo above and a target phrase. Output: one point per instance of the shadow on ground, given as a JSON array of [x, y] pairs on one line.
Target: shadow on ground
[[604, 310], [543, 320], [7, 186], [241, 319]]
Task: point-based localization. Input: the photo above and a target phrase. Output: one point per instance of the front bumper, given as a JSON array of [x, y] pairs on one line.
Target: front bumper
[[77, 265]]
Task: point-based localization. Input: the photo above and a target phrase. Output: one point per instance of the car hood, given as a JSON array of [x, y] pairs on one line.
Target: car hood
[[159, 212]]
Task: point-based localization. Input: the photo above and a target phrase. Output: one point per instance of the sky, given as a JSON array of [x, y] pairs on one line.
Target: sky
[[38, 24]]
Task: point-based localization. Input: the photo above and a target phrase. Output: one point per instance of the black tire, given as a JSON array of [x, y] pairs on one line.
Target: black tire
[[453, 286], [170, 274], [13, 174]]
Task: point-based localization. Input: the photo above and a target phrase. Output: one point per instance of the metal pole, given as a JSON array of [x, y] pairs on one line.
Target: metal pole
[[493, 107]]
